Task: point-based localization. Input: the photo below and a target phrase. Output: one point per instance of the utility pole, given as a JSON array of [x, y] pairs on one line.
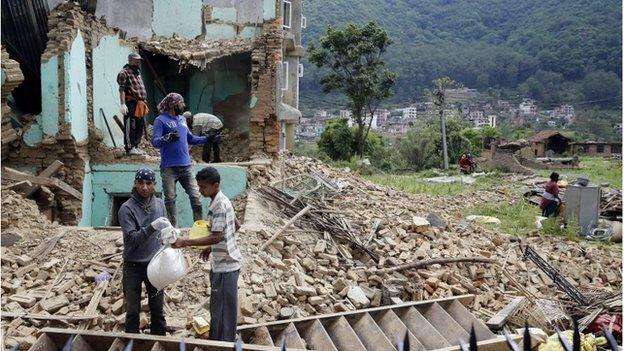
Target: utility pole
[[439, 101]]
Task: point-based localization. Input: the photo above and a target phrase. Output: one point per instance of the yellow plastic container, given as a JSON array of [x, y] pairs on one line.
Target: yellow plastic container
[[200, 229]]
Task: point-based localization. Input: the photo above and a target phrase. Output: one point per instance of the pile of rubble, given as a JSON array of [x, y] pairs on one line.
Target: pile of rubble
[[304, 271], [21, 217]]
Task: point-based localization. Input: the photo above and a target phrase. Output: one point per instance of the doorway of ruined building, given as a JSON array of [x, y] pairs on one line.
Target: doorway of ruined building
[[116, 201], [222, 88]]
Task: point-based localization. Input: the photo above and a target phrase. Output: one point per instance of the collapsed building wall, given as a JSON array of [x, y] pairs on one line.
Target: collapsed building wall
[[234, 76], [61, 131], [11, 77]]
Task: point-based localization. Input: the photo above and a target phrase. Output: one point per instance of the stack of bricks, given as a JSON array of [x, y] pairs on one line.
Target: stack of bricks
[[265, 57], [12, 76]]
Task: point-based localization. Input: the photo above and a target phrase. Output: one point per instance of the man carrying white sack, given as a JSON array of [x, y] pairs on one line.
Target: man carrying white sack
[[142, 218]]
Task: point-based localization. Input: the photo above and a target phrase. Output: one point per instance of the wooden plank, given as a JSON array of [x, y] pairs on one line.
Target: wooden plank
[[43, 343], [291, 336], [48, 172], [80, 344], [262, 336], [47, 246], [94, 303], [157, 347], [467, 320], [46, 317], [464, 299], [118, 345], [422, 329], [394, 328], [316, 337], [108, 337], [445, 324], [12, 174], [500, 318], [369, 333], [343, 336], [496, 344]]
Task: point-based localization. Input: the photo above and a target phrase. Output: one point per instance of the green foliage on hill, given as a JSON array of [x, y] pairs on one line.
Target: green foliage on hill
[[551, 50]]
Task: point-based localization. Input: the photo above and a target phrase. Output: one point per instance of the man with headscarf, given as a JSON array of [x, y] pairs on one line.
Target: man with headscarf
[[141, 218], [132, 96], [173, 137]]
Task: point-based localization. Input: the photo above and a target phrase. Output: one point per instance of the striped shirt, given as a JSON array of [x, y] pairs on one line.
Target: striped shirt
[[226, 256]]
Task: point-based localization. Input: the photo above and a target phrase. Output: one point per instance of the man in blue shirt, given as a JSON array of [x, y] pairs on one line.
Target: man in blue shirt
[[173, 137]]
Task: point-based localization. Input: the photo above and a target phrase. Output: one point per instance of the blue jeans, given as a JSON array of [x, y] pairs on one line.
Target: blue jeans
[[184, 175]]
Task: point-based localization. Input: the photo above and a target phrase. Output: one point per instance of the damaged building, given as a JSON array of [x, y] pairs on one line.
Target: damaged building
[[239, 60]]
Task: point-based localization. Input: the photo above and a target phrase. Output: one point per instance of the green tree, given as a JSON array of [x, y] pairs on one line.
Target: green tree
[[353, 57], [336, 140]]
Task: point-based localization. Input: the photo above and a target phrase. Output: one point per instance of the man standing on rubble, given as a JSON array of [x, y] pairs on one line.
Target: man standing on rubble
[[173, 137], [132, 96], [225, 257], [142, 218]]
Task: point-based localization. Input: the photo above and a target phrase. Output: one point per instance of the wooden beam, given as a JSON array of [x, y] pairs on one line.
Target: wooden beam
[[290, 222], [48, 172], [500, 318], [46, 317], [12, 174]]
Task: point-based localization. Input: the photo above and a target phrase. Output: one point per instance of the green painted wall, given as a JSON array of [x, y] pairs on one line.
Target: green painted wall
[[34, 134], [109, 180], [87, 197], [201, 91], [229, 83], [108, 58], [181, 17], [76, 89], [50, 96]]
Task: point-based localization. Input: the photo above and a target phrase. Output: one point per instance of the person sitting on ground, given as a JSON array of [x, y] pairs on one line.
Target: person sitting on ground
[[225, 257], [550, 198], [141, 218], [208, 125], [466, 163]]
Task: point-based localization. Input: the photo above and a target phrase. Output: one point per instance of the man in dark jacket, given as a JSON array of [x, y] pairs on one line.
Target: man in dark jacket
[[142, 218]]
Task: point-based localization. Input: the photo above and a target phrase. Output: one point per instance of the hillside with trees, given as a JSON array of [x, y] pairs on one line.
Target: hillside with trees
[[554, 51]]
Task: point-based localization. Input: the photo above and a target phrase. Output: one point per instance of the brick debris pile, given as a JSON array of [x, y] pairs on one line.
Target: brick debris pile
[[21, 217], [304, 272]]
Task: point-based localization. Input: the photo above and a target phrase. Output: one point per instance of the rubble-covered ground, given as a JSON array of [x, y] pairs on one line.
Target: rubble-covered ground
[[303, 272]]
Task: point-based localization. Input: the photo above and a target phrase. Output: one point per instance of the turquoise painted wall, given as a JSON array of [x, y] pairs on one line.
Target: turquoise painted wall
[[108, 59], [220, 31], [181, 17], [87, 197], [111, 179], [268, 9], [201, 90], [249, 32], [229, 83], [75, 71], [227, 14], [50, 96], [34, 134]]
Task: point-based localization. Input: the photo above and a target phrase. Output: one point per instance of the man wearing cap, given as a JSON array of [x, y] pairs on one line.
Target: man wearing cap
[[141, 218], [132, 96], [173, 137]]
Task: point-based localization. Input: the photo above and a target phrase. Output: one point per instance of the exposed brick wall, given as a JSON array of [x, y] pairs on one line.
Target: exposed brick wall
[[266, 55], [13, 78], [64, 23]]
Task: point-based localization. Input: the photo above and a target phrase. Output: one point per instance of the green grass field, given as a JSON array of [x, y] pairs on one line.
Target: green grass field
[[416, 183], [598, 169]]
